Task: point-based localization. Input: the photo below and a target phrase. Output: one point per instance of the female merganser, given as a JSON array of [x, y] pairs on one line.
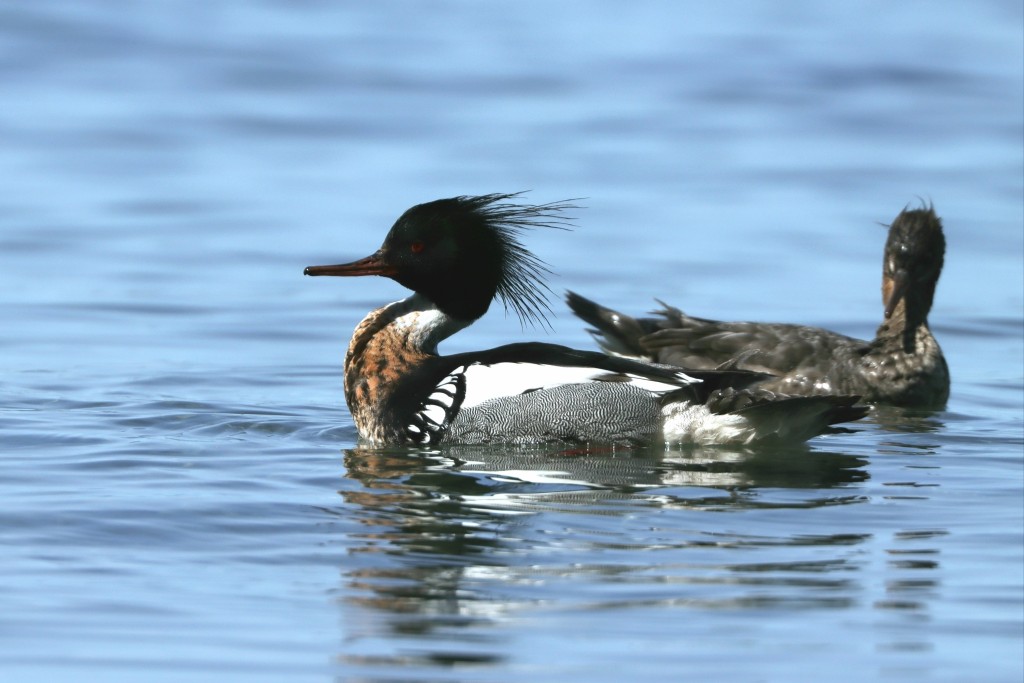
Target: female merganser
[[457, 255], [903, 364]]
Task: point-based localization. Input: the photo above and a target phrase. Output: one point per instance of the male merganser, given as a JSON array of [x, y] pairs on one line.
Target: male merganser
[[902, 365], [457, 255]]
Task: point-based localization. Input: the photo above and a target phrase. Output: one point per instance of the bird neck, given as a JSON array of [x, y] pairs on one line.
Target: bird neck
[[414, 324], [905, 328], [388, 347]]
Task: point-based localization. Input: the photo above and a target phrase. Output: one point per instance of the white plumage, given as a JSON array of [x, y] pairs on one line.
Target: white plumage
[[486, 382]]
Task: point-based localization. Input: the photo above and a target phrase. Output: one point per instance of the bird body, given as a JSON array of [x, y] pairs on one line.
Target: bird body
[[457, 255], [902, 365]]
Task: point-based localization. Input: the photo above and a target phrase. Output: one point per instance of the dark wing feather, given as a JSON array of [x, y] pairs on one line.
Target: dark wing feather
[[774, 348], [675, 338], [553, 354]]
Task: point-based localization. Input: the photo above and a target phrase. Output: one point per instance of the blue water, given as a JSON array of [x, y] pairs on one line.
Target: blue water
[[182, 495]]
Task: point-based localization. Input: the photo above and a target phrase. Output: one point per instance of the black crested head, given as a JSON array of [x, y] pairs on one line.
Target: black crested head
[[462, 252], [914, 255]]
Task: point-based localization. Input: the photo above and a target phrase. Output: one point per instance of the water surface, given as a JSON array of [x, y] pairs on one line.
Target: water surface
[[183, 492]]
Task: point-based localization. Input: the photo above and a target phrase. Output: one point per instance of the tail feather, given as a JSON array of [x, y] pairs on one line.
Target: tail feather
[[616, 333], [787, 418]]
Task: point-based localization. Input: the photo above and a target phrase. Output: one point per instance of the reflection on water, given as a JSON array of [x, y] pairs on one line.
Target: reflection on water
[[471, 540], [792, 467], [907, 420]]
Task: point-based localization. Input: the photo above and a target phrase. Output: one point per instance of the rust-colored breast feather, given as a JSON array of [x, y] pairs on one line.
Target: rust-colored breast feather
[[379, 356]]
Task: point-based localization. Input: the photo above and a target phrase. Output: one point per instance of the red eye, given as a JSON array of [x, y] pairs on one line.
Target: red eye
[[417, 247]]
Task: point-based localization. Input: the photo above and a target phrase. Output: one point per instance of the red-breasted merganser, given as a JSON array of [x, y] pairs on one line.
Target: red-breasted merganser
[[457, 255], [903, 364]]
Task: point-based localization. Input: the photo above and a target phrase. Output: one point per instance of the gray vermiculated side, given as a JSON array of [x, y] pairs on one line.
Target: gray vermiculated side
[[608, 412]]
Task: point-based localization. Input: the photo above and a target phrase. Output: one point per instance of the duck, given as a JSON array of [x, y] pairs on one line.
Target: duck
[[903, 365], [456, 256]]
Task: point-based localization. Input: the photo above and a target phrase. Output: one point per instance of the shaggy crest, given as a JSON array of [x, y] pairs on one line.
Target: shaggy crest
[[522, 286]]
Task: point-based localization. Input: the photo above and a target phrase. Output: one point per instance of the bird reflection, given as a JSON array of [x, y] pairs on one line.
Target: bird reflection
[[460, 506], [908, 429], [456, 543], [907, 420]]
